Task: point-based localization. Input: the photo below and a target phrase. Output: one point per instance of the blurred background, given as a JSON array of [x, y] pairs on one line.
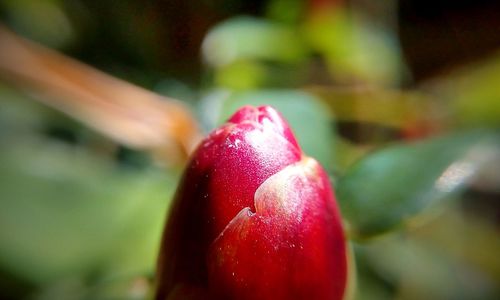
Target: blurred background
[[399, 100]]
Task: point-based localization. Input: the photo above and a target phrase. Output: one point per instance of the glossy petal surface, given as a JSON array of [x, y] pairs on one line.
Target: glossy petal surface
[[249, 197], [289, 248]]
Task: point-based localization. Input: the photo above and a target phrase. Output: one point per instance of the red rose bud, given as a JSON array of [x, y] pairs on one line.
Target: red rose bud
[[253, 218]]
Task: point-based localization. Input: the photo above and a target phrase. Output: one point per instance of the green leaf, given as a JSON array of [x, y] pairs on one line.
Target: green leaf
[[251, 38], [390, 187]]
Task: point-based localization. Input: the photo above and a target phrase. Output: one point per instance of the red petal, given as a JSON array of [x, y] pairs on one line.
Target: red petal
[[292, 247]]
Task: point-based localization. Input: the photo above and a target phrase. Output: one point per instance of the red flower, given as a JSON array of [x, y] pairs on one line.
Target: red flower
[[253, 218]]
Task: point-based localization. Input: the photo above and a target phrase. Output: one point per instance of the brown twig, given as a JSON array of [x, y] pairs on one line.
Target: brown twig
[[124, 112]]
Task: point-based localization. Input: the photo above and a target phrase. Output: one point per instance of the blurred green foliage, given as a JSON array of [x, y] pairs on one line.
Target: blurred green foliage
[[81, 217], [72, 216]]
